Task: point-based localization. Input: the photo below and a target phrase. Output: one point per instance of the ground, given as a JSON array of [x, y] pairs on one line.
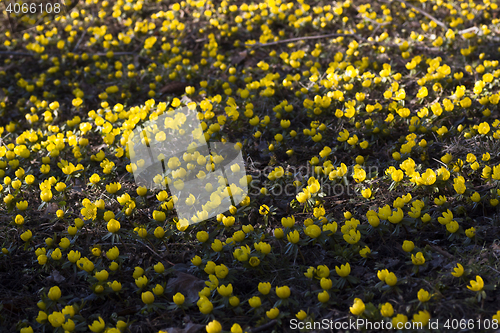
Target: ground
[[370, 175]]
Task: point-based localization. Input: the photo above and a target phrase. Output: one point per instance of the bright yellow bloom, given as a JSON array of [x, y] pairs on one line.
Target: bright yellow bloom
[[422, 317], [408, 246], [391, 279], [344, 270], [387, 310], [213, 327], [97, 326], [283, 292], [178, 299], [358, 307], [323, 296], [423, 295], [476, 285], [418, 259]]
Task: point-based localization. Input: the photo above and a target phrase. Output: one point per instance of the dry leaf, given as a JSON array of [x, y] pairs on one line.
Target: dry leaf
[[186, 284], [174, 87], [190, 328], [56, 277], [239, 57]]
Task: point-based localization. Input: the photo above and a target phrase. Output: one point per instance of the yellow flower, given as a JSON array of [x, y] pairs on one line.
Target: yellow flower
[[254, 261], [283, 292], [264, 210], [19, 220], [323, 296], [148, 297], [113, 187], [476, 285], [422, 317], [459, 185], [225, 291], [344, 270], [387, 310], [423, 295], [484, 128], [278, 233], [391, 279], [196, 261], [255, 302], [54, 293], [428, 177], [366, 193], [149, 42], [178, 299], [26, 236], [293, 237], [382, 274], [264, 288], [113, 226], [56, 254], [358, 307], [418, 259], [397, 175], [452, 227], [364, 252], [273, 313], [202, 236], [213, 327], [301, 315], [303, 196], [343, 136], [116, 286], [422, 92], [496, 317], [236, 328], [57, 318], [471, 232], [352, 237], [46, 195], [22, 205], [396, 216], [97, 326], [359, 175], [399, 321], [475, 197], [313, 231], [408, 246], [74, 256]]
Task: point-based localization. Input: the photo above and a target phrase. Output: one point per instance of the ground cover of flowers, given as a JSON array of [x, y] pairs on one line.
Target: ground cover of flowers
[[370, 132]]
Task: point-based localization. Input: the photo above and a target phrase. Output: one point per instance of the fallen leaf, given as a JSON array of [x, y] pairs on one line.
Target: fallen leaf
[[56, 277], [186, 284], [190, 328], [174, 87]]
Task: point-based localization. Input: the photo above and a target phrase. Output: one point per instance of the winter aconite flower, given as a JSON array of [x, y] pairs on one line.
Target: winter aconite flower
[[54, 293], [358, 307], [148, 297], [387, 310], [458, 271], [113, 226], [476, 285], [344, 270], [264, 288], [283, 292], [391, 279], [423, 295], [422, 317], [97, 326], [418, 259], [214, 327]]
